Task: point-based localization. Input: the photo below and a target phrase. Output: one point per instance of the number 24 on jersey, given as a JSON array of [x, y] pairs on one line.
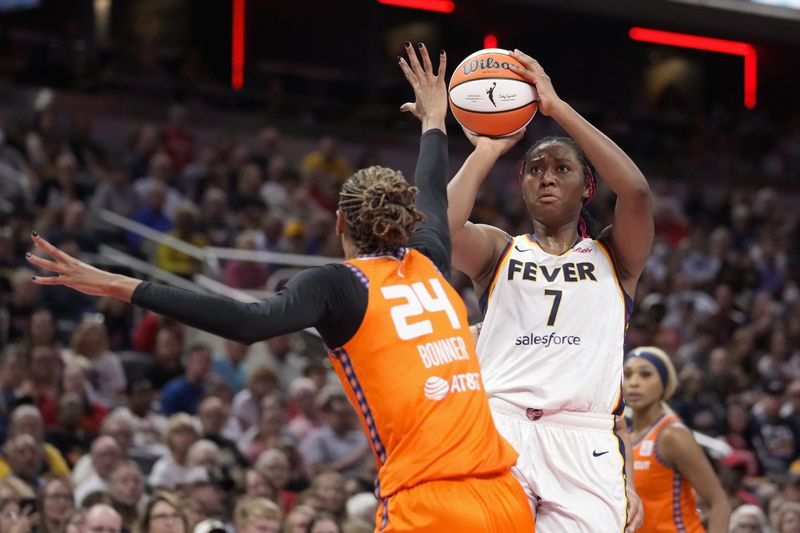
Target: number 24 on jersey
[[418, 300]]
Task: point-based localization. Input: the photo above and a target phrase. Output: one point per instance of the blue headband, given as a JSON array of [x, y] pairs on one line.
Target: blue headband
[[656, 361]]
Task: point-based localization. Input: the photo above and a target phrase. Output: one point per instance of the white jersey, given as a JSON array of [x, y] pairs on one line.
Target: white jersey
[[554, 326]]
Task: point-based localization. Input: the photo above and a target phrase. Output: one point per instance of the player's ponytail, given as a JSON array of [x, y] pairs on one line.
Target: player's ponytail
[[377, 204], [587, 225]]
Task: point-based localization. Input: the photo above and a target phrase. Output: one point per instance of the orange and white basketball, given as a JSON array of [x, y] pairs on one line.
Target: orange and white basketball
[[489, 97]]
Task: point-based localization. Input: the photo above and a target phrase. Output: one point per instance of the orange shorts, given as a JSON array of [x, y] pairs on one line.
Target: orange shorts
[[469, 505]]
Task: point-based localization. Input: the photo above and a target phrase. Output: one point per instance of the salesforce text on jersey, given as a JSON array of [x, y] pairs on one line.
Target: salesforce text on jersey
[[546, 340]]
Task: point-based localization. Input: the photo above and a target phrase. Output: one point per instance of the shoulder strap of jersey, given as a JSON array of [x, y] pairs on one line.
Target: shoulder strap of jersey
[[664, 422]]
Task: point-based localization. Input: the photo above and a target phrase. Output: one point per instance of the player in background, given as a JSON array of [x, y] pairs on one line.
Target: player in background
[[396, 331], [556, 303], [670, 466]]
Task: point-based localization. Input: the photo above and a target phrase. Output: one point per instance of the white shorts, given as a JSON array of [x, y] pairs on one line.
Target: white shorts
[[570, 465]]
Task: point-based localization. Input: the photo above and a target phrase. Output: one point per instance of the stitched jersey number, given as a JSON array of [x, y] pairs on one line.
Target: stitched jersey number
[[551, 320], [418, 300]]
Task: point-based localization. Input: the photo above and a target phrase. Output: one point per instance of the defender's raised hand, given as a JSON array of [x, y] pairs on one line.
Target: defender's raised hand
[[430, 90], [76, 274]]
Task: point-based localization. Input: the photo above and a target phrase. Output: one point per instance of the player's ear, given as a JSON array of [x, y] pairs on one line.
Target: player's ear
[[339, 223]]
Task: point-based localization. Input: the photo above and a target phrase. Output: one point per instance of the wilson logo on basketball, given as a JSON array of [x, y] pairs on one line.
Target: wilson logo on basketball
[[483, 64]]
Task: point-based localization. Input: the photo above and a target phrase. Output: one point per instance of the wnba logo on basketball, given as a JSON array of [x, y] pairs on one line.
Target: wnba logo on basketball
[[484, 64], [436, 388]]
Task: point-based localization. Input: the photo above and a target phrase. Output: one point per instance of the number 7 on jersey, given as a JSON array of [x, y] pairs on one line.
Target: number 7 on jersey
[[551, 320]]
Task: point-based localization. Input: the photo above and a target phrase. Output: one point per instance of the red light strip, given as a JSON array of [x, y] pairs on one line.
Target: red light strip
[[237, 45], [696, 42], [490, 41], [440, 6]]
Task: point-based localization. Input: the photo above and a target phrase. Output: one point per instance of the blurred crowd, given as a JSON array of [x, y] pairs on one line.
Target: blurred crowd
[[103, 404], [108, 413]]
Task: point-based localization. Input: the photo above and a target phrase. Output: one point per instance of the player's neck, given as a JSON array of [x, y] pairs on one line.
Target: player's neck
[[349, 248], [643, 419], [555, 240]]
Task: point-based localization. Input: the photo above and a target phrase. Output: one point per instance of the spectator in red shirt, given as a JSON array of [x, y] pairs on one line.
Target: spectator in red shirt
[[75, 380], [146, 331], [245, 274], [46, 371]]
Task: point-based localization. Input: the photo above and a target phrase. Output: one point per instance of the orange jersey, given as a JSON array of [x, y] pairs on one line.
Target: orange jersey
[[667, 497], [412, 374]]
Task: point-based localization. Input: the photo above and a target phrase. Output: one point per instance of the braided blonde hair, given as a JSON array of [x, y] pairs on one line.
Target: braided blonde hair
[[377, 204]]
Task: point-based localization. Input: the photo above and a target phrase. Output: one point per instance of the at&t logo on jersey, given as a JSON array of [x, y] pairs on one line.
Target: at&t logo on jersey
[[436, 388]]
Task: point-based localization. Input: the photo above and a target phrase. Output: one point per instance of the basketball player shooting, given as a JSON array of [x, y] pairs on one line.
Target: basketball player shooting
[[556, 304]]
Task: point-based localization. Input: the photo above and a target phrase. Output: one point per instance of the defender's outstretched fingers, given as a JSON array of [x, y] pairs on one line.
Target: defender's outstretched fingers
[[43, 263], [442, 70], [48, 280], [413, 61], [409, 74], [42, 244], [426, 59]]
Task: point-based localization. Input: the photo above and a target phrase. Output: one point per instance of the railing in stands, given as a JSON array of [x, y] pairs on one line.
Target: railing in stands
[[127, 260], [263, 256], [211, 255], [119, 221]]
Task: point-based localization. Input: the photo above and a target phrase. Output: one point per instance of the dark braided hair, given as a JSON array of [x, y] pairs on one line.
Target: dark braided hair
[[587, 226], [377, 204]]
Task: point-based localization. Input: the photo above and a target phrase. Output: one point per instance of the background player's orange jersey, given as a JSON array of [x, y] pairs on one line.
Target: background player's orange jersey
[[413, 377], [667, 498]]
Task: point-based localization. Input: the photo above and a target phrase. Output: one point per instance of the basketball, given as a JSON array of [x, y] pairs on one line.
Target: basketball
[[488, 97]]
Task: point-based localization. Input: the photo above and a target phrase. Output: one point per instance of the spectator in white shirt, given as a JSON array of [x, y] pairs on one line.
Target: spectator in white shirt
[[118, 426], [172, 469], [105, 454]]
